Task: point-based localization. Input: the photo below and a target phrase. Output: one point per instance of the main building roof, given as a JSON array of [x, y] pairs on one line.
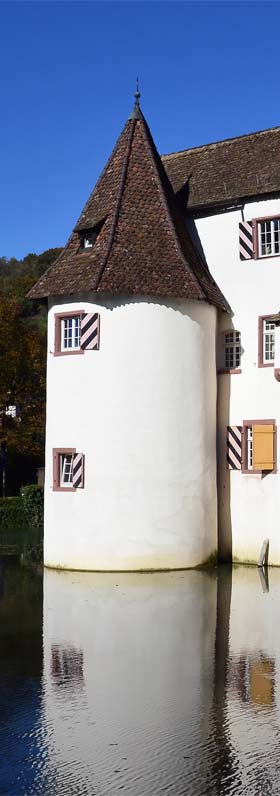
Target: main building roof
[[227, 171], [143, 246]]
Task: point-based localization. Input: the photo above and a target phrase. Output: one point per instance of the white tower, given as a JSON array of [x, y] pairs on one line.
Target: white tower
[[131, 377]]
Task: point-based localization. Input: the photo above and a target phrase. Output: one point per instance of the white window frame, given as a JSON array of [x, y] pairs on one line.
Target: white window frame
[[66, 470], [249, 444], [268, 340], [71, 333], [268, 234], [89, 238], [232, 349], [87, 243]]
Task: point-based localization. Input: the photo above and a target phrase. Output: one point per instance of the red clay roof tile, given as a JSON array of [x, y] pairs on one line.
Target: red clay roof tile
[[226, 171], [143, 247]]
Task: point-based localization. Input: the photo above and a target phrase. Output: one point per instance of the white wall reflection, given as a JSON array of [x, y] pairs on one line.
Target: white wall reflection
[[128, 679], [253, 678], [161, 683]]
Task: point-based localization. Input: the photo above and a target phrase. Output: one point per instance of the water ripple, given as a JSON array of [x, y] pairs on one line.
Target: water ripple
[[168, 684]]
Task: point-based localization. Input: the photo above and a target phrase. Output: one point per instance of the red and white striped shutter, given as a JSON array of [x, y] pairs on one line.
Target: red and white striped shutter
[[246, 240], [90, 327], [234, 447], [78, 471]]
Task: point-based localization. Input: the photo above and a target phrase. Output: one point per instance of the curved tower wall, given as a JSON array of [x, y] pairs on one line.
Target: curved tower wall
[[142, 410]]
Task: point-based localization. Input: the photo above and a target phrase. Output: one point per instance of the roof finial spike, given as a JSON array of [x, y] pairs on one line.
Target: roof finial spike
[[136, 113], [137, 94]]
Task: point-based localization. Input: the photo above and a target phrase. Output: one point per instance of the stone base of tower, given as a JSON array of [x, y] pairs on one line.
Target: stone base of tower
[[150, 563]]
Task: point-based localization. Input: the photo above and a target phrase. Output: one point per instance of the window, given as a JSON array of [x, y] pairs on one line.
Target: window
[[70, 332], [89, 239], [249, 445], [258, 446], [89, 236], [76, 332], [232, 350], [268, 235], [268, 340], [267, 324], [259, 237], [68, 469], [251, 448]]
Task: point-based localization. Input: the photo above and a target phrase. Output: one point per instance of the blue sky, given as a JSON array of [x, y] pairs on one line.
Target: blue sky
[[207, 70]]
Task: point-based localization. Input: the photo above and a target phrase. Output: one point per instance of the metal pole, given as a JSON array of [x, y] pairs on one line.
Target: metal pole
[[3, 461]]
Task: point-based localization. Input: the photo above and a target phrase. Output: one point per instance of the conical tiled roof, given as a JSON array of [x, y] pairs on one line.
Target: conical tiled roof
[[143, 247]]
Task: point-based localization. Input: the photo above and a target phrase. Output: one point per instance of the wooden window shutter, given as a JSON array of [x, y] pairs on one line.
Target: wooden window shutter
[[90, 326], [78, 471], [234, 447], [246, 240], [56, 483], [263, 447], [57, 334]]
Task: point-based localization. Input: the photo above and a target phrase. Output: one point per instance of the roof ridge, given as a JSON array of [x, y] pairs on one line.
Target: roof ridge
[[219, 142], [117, 208], [171, 223], [105, 168]]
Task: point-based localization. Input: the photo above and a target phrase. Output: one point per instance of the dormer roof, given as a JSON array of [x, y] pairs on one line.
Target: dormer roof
[[143, 246]]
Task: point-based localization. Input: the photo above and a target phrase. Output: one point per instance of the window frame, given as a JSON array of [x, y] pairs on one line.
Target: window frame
[[58, 318], [223, 333], [270, 318], [84, 234], [88, 236], [244, 447], [57, 453], [256, 242]]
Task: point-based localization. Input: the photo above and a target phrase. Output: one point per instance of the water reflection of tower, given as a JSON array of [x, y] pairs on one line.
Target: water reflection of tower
[[225, 765], [128, 679], [245, 718]]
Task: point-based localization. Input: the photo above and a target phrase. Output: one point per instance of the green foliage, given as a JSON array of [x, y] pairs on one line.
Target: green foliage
[[23, 359], [32, 497], [21, 524], [24, 512], [33, 549], [12, 514]]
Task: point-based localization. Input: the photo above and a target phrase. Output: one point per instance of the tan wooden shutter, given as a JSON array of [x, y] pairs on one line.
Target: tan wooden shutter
[[263, 447]]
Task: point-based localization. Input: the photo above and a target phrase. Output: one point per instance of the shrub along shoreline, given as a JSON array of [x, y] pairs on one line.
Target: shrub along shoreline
[[21, 523]]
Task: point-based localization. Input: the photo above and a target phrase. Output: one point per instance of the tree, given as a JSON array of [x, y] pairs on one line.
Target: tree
[[22, 364]]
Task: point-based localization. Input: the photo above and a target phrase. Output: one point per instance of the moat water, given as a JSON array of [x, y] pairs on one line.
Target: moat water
[[139, 684]]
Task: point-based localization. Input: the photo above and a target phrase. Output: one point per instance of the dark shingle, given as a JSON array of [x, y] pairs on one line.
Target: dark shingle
[[143, 247], [221, 173]]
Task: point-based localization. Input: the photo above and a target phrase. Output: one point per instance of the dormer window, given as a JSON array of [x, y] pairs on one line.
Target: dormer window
[[89, 239], [89, 236]]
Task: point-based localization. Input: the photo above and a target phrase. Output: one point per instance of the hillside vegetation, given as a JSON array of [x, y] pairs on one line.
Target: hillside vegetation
[[22, 368]]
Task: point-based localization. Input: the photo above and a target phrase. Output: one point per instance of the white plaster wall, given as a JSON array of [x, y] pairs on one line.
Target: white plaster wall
[[143, 411], [249, 505]]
